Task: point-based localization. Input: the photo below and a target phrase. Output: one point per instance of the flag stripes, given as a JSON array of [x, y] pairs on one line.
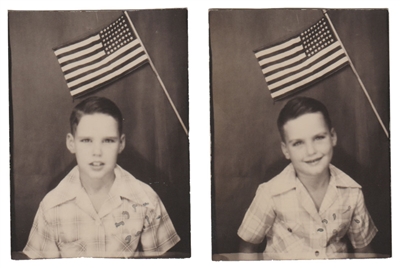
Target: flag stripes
[[295, 64], [101, 58]]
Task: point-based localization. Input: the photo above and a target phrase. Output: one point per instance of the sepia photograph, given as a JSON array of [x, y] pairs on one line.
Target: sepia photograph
[[300, 134], [99, 144]]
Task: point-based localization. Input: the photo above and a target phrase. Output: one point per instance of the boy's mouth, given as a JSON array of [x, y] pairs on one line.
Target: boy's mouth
[[96, 164], [313, 161]]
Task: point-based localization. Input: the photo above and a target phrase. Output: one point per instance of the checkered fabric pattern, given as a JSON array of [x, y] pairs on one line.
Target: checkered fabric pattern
[[283, 211], [132, 218]]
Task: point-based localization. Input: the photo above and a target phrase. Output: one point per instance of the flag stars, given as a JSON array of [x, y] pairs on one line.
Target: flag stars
[[116, 35]]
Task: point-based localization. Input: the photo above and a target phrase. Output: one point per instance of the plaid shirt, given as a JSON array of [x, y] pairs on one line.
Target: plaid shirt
[[133, 216], [283, 211]]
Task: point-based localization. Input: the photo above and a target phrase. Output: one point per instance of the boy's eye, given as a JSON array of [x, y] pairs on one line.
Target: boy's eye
[[85, 140], [320, 137], [109, 140], [297, 143]]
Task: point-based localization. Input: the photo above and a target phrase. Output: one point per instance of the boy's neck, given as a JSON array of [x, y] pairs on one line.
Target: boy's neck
[[314, 183], [96, 186]]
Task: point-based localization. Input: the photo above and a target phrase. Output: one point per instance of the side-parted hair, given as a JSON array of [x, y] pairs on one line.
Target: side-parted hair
[[93, 105], [300, 106]]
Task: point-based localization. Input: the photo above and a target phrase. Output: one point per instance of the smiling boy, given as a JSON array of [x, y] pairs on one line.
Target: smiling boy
[[99, 209], [311, 206]]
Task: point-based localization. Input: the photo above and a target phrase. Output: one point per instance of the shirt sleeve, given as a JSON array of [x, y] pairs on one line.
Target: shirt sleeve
[[258, 219], [41, 242], [362, 229], [159, 234]]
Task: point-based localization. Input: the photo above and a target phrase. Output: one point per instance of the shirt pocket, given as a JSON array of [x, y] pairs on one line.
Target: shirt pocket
[[129, 225], [287, 236], [341, 220], [72, 249], [293, 227]]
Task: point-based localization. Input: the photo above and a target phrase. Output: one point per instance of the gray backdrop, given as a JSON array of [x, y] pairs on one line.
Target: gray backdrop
[[245, 141], [157, 150]]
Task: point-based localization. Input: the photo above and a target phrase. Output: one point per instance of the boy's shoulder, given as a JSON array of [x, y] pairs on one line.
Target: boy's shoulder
[[342, 179], [282, 182], [286, 180], [138, 190], [66, 190], [130, 187]]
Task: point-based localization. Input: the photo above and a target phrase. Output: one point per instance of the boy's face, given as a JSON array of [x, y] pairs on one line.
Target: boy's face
[[96, 145], [309, 144]]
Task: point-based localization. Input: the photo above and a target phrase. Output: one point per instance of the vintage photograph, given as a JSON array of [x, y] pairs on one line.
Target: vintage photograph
[[99, 134], [300, 134]]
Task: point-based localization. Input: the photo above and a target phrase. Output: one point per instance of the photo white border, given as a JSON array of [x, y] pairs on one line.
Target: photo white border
[[199, 125]]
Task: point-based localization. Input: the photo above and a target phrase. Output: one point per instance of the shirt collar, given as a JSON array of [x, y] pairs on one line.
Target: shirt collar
[[342, 179], [286, 180], [122, 185], [70, 187]]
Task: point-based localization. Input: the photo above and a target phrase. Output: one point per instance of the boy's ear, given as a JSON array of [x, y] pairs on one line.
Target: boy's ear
[[285, 150], [121, 143], [70, 143], [333, 136]]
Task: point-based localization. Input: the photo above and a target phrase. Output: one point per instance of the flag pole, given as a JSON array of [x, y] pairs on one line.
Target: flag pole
[[158, 76], [358, 77]]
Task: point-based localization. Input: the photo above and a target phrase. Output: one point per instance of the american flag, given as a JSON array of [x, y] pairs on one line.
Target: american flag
[[293, 65], [101, 58]]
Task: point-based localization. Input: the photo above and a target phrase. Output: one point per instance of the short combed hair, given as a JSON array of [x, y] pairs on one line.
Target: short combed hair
[[93, 105], [300, 106]]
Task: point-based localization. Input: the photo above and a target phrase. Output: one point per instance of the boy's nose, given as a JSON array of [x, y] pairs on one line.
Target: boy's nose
[[310, 148], [97, 149]]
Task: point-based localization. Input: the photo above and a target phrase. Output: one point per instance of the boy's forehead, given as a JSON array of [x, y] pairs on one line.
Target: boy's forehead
[[304, 125], [97, 122]]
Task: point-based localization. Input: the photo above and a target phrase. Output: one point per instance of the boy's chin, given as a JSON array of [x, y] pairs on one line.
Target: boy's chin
[[319, 171], [98, 173], [314, 170]]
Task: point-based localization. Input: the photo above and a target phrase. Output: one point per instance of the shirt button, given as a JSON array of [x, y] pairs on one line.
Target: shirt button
[[317, 253], [98, 222]]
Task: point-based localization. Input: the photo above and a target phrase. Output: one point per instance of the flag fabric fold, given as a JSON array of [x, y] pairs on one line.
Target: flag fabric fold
[[301, 61], [101, 58]]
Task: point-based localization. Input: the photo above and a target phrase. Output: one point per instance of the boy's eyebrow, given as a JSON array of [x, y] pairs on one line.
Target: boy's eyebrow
[[106, 137], [322, 133], [112, 137], [294, 140], [316, 135]]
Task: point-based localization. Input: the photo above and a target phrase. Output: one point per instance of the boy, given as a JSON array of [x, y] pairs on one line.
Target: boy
[[99, 209], [307, 210]]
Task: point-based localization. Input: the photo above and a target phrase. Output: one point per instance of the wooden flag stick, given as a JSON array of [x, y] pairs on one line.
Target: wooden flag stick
[[358, 77], [158, 76]]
